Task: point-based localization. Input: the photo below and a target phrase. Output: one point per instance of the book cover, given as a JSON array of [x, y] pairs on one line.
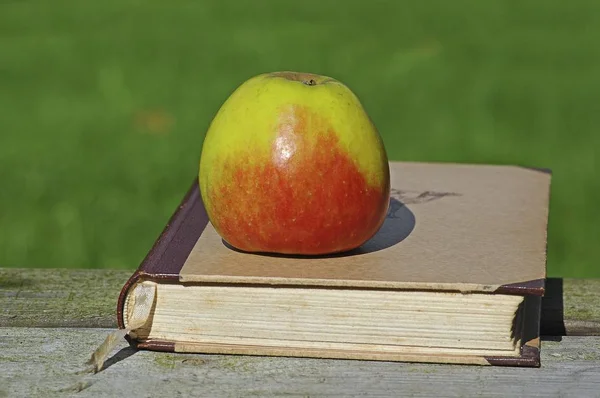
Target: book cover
[[450, 228]]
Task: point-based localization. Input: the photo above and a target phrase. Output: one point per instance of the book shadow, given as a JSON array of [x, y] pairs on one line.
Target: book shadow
[[119, 356], [552, 326], [399, 223]]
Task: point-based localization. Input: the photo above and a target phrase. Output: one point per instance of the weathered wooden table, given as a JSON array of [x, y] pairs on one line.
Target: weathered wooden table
[[52, 320]]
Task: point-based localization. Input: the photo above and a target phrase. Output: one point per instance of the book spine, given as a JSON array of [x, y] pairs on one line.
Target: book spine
[[166, 257]]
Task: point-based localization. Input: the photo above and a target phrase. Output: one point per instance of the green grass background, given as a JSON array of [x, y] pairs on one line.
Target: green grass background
[[104, 105]]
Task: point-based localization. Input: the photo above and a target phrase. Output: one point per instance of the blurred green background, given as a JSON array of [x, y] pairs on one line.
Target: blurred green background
[[104, 104]]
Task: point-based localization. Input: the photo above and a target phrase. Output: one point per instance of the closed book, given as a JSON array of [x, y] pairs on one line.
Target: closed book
[[454, 275]]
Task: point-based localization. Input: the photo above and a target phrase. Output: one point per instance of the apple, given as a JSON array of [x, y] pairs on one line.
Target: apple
[[292, 164]]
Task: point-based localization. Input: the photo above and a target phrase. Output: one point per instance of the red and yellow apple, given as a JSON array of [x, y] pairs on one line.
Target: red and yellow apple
[[292, 164]]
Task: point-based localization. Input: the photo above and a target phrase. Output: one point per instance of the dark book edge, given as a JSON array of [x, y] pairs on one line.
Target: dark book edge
[[170, 251], [544, 170], [534, 287], [156, 345], [529, 332]]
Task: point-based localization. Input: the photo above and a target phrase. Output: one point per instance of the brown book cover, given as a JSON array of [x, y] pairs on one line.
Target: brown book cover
[[450, 228]]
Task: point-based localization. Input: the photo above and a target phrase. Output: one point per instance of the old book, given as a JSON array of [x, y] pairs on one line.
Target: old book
[[455, 275]]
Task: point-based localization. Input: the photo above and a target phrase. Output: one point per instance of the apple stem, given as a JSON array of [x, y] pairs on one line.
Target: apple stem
[[310, 82]]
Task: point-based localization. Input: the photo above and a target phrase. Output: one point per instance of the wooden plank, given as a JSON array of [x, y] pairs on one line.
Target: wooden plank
[[87, 298], [59, 297], [45, 362]]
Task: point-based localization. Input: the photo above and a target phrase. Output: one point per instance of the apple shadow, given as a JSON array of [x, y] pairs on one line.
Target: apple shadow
[[398, 225]]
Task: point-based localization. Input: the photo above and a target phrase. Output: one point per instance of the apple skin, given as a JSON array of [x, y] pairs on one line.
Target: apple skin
[[292, 164]]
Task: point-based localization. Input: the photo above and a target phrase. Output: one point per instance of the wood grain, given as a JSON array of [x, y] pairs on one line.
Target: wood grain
[[59, 297], [87, 298], [45, 362]]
